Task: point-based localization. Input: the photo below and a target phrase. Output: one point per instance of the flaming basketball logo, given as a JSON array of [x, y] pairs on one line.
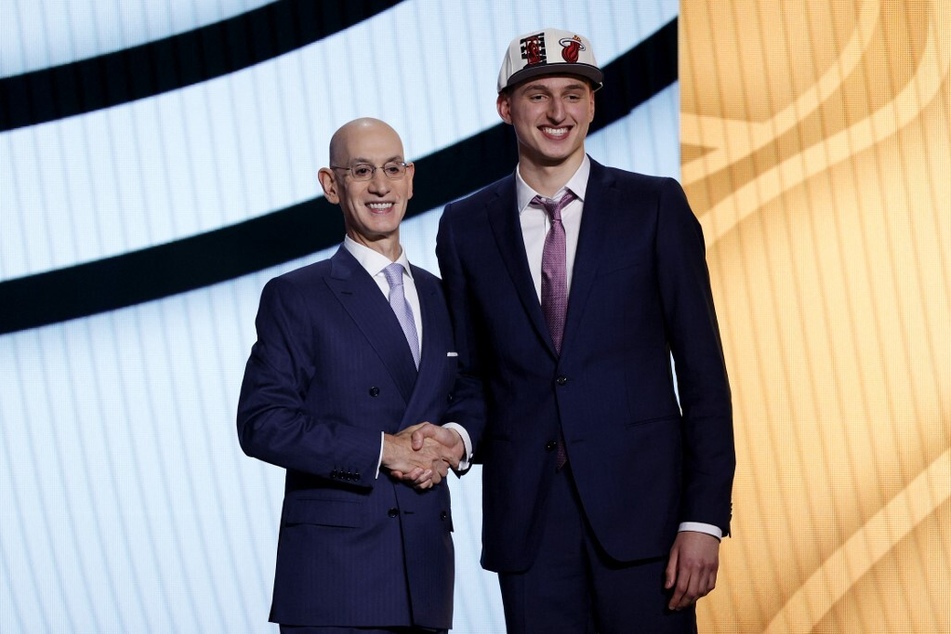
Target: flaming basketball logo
[[571, 46]]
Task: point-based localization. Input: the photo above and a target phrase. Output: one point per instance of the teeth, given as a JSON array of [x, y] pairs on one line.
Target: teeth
[[379, 206], [555, 131]]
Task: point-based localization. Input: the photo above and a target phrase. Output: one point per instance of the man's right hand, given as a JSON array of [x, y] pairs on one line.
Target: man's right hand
[[421, 454]]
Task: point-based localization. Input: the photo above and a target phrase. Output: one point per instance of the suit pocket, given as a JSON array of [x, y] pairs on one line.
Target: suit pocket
[[339, 513], [651, 421], [450, 373]]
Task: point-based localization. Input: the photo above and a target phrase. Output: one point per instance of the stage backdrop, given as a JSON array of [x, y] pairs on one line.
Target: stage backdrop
[[157, 167], [815, 150]]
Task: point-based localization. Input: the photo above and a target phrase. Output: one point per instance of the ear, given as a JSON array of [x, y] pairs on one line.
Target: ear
[[410, 172], [504, 105], [329, 184], [591, 107]]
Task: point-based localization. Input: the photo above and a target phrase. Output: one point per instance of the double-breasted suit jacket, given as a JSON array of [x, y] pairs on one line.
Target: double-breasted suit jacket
[[329, 372], [643, 461]]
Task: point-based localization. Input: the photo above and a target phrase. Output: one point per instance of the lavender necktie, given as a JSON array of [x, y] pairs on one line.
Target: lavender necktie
[[554, 271], [404, 314], [555, 285]]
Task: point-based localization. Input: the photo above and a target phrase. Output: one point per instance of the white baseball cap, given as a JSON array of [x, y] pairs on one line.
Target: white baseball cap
[[549, 52]]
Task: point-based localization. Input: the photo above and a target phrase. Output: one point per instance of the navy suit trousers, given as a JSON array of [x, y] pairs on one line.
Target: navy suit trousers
[[573, 587]]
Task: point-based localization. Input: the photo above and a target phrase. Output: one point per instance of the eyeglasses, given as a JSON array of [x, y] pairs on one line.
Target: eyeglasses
[[365, 171]]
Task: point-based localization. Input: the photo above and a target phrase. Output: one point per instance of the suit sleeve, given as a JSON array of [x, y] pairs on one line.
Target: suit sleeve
[[703, 387], [274, 420], [468, 406]]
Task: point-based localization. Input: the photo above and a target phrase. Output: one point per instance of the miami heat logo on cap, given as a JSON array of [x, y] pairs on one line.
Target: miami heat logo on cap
[[533, 50], [570, 47], [527, 56]]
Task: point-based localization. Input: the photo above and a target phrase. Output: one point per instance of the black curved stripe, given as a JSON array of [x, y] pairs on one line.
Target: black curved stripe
[[176, 61], [299, 230]]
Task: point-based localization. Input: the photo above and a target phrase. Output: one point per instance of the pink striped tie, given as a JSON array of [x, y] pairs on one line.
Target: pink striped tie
[[554, 271]]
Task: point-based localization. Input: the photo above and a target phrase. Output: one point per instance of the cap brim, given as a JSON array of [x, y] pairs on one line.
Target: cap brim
[[591, 73]]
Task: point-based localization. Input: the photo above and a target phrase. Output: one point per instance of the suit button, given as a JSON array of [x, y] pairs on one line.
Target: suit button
[[374, 391], [551, 445], [443, 515], [561, 380], [393, 512]]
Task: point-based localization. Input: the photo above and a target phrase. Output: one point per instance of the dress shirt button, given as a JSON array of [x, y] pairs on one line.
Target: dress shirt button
[[374, 391], [562, 380], [393, 512], [551, 445]]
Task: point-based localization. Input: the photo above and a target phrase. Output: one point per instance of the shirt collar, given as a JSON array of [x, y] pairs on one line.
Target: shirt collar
[[373, 261], [578, 184]]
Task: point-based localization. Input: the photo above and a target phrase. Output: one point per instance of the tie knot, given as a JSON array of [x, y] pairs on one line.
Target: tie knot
[[553, 207], [394, 274]]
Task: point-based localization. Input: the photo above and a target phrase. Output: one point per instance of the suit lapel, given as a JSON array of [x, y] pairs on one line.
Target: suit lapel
[[601, 199], [504, 220], [365, 304]]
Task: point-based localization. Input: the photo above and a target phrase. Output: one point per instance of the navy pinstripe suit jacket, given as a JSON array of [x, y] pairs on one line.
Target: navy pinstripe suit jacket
[[329, 371]]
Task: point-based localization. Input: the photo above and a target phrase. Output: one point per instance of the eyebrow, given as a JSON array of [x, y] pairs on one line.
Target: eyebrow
[[396, 158], [545, 88]]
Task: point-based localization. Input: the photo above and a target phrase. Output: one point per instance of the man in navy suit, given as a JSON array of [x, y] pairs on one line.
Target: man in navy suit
[[607, 479], [354, 354]]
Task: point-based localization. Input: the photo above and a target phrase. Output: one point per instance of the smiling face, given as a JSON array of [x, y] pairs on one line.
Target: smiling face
[[372, 209], [551, 116]]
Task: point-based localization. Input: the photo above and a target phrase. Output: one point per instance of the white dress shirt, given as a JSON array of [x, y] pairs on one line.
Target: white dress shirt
[[535, 222]]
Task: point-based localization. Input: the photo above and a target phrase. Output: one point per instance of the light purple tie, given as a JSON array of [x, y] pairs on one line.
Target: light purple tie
[[404, 314], [554, 271], [555, 285]]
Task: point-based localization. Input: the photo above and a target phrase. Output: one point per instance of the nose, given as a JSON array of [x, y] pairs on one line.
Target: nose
[[556, 110], [379, 183]]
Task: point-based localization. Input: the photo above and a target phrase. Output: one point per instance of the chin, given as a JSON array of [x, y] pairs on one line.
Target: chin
[[554, 158]]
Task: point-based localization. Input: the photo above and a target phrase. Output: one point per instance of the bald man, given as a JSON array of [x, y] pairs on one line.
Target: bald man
[[354, 354]]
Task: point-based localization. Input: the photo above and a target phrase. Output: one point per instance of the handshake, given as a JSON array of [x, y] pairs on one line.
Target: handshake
[[422, 455]]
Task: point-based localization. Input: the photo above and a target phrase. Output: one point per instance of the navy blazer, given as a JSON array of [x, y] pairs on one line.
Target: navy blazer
[[640, 292], [329, 372]]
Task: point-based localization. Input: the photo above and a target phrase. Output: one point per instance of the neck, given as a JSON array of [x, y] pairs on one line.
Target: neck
[[388, 246], [548, 179]]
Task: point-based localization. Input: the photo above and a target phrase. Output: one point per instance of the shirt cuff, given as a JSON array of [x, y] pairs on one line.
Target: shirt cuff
[[700, 527], [466, 442], [379, 461]]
